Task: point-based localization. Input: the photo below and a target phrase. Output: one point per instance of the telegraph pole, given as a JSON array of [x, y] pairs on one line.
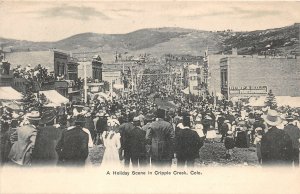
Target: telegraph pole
[[85, 79]]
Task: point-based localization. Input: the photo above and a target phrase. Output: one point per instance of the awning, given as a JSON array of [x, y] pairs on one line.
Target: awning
[[55, 98], [12, 105], [8, 93], [293, 102]]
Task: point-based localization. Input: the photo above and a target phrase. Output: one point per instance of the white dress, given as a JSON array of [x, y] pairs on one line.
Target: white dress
[[112, 145], [211, 133]]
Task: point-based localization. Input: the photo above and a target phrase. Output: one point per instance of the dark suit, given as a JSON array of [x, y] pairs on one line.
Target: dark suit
[[294, 134], [188, 144], [134, 146], [161, 136], [72, 147], [45, 144], [276, 147], [101, 125], [122, 129]]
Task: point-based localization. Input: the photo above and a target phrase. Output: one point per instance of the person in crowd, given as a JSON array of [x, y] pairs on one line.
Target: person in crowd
[[160, 138], [211, 132], [296, 121], [276, 145], [101, 126], [225, 127], [294, 133], [89, 125], [22, 149], [149, 118], [199, 129], [188, 144], [134, 145], [259, 132], [229, 144], [112, 144], [242, 139], [220, 121], [72, 148], [48, 134]]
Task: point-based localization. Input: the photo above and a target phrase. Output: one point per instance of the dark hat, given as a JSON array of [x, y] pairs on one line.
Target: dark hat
[[160, 113], [289, 117], [47, 117], [186, 121]]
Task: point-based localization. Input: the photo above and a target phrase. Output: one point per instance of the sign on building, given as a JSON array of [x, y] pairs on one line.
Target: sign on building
[[248, 90]]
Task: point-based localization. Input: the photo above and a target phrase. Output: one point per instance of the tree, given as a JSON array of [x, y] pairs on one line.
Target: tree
[[29, 99], [271, 100]]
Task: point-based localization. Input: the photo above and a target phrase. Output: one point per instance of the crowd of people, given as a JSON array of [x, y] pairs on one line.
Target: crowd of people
[[134, 129]]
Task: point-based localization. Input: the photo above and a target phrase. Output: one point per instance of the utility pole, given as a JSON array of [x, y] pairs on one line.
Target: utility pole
[[111, 89], [85, 79], [123, 81], [132, 81]]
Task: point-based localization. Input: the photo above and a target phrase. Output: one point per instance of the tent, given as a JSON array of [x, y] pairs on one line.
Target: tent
[[55, 98], [8, 93]]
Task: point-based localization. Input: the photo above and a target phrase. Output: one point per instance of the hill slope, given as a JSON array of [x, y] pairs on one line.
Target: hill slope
[[158, 41]]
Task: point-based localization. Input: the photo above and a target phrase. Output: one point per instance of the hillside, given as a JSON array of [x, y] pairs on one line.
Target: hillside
[[159, 41]]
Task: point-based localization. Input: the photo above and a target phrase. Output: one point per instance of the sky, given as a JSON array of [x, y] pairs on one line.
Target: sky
[[56, 20]]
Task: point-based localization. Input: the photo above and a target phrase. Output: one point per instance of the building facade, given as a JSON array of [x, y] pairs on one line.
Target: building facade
[[55, 61], [195, 78], [245, 76], [6, 75], [93, 68]]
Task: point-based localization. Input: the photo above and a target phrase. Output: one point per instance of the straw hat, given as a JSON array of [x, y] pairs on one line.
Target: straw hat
[[272, 118], [34, 115]]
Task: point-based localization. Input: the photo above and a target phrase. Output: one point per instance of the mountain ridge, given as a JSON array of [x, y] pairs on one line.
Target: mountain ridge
[[165, 40]]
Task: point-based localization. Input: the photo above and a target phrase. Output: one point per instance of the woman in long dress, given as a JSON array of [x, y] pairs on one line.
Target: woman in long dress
[[112, 144]]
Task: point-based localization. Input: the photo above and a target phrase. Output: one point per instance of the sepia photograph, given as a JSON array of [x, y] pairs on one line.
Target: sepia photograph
[[149, 96]]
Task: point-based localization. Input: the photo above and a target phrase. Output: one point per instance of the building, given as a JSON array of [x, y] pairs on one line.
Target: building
[[6, 75], [112, 76], [195, 76], [54, 60], [244, 76], [72, 73], [93, 68], [64, 67]]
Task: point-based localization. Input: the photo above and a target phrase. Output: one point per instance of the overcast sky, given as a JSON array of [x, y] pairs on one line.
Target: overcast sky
[[51, 21]]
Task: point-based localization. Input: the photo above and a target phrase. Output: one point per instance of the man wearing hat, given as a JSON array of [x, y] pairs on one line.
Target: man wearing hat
[[101, 126], [72, 148], [188, 143], [21, 151], [160, 139], [46, 140], [134, 144], [294, 134], [276, 145]]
